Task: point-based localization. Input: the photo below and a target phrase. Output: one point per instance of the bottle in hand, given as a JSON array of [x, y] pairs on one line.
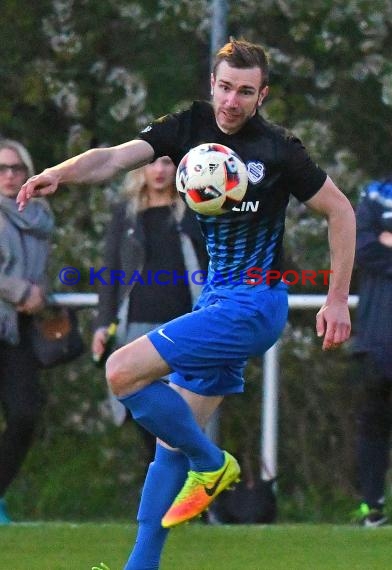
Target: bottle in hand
[[100, 359]]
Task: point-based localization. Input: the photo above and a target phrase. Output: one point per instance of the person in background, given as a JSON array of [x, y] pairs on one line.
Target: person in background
[[152, 238], [373, 347], [24, 250], [234, 318]]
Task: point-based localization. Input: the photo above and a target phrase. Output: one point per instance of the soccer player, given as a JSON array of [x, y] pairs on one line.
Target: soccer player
[[206, 350]]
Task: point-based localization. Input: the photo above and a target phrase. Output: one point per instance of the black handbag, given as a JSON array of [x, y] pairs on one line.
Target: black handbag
[[56, 336], [254, 504]]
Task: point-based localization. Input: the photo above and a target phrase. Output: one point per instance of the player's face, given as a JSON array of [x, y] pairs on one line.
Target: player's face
[[236, 94], [160, 174], [13, 172]]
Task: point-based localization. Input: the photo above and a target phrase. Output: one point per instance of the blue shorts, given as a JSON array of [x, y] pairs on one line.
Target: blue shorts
[[208, 348]]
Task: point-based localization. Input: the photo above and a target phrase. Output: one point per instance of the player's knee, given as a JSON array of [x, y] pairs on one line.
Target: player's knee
[[118, 375]]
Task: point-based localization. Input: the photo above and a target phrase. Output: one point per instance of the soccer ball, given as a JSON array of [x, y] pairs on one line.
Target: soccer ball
[[211, 178]]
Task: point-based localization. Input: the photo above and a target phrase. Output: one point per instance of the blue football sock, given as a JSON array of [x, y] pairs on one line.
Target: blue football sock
[[164, 413], [165, 477]]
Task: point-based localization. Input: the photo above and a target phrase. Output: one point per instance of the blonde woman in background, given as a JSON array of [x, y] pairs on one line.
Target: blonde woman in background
[[152, 241]]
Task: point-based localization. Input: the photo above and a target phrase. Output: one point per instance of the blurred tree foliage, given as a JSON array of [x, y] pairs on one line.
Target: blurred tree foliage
[[82, 73]]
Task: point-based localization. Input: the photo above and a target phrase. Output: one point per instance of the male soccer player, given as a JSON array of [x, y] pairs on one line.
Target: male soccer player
[[206, 350]]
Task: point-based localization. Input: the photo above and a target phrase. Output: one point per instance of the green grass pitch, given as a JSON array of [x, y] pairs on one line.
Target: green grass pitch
[[65, 546]]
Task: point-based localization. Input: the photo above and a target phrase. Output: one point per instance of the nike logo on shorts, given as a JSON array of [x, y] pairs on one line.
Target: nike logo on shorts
[[160, 331]]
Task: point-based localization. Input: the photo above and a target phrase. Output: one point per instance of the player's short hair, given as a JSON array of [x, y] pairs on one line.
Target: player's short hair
[[21, 151], [244, 55]]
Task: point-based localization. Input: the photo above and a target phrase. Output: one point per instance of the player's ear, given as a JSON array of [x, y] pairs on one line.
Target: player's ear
[[262, 95], [212, 83]]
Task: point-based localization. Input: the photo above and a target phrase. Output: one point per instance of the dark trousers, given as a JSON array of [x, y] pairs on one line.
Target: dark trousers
[[21, 402], [374, 418]]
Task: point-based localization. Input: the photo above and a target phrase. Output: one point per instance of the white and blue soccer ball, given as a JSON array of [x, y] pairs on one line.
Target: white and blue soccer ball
[[211, 178]]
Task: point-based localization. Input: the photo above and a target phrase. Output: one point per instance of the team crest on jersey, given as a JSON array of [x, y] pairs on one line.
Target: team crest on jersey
[[256, 171]]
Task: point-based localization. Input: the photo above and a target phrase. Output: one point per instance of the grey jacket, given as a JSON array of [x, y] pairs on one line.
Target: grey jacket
[[24, 251]]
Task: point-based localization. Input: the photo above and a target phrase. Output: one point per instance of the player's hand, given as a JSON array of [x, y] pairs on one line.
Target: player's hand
[[38, 185], [333, 323]]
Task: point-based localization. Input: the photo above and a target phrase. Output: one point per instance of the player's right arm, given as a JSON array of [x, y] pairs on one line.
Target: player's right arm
[[93, 166]]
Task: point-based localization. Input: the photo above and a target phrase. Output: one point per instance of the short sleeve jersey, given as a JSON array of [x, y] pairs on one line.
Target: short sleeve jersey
[[251, 233]]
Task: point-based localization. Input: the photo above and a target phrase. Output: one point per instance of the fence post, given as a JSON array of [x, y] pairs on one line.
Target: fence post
[[270, 392], [269, 416]]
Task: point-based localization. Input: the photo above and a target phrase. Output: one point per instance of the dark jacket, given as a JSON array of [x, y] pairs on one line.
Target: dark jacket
[[124, 251], [374, 262]]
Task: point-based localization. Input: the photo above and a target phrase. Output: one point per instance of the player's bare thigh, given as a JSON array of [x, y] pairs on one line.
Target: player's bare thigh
[[134, 366], [202, 407]]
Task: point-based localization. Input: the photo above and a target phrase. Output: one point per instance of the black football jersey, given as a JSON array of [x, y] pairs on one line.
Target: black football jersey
[[251, 233]]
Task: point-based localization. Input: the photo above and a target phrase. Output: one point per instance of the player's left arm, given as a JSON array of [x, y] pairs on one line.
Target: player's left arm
[[333, 319]]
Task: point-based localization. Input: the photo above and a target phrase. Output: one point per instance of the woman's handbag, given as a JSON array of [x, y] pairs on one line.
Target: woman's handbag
[[254, 504], [56, 336]]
